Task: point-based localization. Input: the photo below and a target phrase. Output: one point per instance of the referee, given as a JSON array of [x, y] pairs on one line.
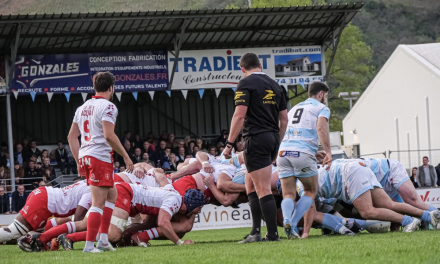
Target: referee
[[261, 106]]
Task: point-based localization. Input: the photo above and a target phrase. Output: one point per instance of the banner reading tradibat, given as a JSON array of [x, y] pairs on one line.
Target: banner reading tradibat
[[204, 69], [70, 73]]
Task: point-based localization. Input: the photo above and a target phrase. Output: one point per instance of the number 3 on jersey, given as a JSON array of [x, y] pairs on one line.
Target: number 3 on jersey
[[87, 131], [297, 116]]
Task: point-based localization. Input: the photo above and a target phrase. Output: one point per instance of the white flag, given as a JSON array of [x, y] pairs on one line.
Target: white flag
[[84, 96], [151, 95], [217, 92], [185, 93], [118, 95], [49, 95]]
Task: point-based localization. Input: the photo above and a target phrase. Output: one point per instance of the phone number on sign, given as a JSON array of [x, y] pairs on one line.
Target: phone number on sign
[[298, 80]]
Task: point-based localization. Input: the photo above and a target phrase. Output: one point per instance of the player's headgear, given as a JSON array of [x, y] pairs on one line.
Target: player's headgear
[[193, 198], [278, 186]]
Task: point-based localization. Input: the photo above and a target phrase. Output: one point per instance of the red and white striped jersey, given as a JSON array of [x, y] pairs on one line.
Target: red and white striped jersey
[[89, 118]]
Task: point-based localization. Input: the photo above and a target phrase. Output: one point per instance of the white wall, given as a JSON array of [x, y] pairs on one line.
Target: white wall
[[398, 91]]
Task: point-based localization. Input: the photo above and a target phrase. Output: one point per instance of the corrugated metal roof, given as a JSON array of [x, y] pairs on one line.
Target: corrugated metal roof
[[430, 52], [205, 29]]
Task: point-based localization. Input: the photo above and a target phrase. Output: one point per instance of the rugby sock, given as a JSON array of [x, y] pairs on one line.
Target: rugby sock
[[254, 204], [406, 220], [330, 222], [149, 234], [361, 223], [77, 237], [50, 224], [13, 231], [269, 210], [287, 205], [426, 216], [66, 228], [105, 222], [344, 221], [93, 224], [301, 208], [432, 208]]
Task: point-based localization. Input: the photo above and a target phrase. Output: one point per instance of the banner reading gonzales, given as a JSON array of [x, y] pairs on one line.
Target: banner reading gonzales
[[62, 73], [202, 69]]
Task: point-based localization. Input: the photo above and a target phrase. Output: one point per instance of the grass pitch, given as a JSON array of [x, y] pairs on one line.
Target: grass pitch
[[220, 246]]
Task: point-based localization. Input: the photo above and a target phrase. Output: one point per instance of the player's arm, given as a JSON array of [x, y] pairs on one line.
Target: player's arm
[[283, 119], [323, 135], [113, 141], [226, 199], [160, 177], [203, 158], [72, 138], [236, 126], [80, 213], [225, 184], [164, 222]]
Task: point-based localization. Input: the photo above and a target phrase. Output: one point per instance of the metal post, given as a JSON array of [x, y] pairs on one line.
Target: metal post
[[418, 139], [177, 45], [428, 125], [409, 149], [397, 138], [351, 102], [9, 124]]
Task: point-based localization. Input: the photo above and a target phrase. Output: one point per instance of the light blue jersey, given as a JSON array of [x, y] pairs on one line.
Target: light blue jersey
[[380, 167], [301, 134]]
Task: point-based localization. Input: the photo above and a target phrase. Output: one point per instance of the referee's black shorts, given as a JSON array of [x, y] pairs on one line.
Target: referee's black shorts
[[260, 150]]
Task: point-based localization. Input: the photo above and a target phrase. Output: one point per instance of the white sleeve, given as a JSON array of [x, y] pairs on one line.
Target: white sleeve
[[110, 113], [172, 205], [76, 118], [86, 201]]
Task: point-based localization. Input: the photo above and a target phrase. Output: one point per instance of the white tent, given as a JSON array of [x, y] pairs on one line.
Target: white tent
[[400, 108]]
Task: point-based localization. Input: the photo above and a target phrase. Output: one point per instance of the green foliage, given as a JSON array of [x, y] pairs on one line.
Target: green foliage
[[220, 246]]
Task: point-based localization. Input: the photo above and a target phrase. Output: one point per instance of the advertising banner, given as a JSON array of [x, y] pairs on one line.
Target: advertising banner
[[72, 73], [205, 69], [430, 195]]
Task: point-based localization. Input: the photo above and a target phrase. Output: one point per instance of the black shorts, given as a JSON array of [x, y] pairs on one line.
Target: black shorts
[[260, 150]]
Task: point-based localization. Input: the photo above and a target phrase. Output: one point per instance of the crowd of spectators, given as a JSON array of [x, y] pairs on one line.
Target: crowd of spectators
[[167, 152], [425, 175]]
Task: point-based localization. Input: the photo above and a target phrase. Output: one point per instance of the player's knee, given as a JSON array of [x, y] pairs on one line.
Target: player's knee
[[367, 213], [114, 237]]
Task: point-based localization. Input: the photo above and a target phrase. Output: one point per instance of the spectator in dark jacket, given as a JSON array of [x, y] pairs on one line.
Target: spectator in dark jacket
[[19, 198], [4, 202], [137, 156], [437, 169], [31, 172], [46, 166], [62, 158], [413, 177], [33, 150]]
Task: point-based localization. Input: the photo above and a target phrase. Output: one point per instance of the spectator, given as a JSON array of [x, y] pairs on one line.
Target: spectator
[[172, 162], [165, 159], [19, 155], [213, 151], [188, 156], [181, 155], [437, 170], [151, 138], [25, 143], [18, 199], [31, 172], [426, 174], [116, 167], [4, 154], [127, 136], [42, 183], [137, 141], [190, 149], [4, 202], [180, 145], [413, 177], [39, 165], [137, 156], [19, 173], [220, 150], [128, 148], [146, 159], [33, 158], [121, 168], [219, 145], [200, 143], [223, 137], [5, 177], [33, 150], [47, 166], [160, 151], [171, 143], [44, 154], [187, 140], [164, 136], [146, 148], [196, 149], [62, 158]]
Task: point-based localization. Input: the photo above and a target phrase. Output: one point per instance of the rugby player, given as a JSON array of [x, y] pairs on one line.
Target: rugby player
[[43, 203], [308, 122], [95, 122]]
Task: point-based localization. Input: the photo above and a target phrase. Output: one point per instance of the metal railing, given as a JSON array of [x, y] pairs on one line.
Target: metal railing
[[414, 158]]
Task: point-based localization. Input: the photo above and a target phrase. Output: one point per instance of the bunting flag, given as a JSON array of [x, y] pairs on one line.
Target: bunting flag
[[49, 96], [67, 96], [302, 84], [84, 96], [151, 95], [201, 91], [135, 95], [168, 92], [15, 94], [33, 95], [118, 95], [185, 93], [233, 89], [217, 92]]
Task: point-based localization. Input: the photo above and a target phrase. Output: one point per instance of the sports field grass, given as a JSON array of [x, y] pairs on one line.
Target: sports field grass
[[220, 246]]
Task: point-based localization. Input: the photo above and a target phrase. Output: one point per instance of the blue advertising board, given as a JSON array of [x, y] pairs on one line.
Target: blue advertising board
[[72, 73]]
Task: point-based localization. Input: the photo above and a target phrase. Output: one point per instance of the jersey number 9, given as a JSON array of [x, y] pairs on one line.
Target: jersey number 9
[[297, 115], [87, 130]]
